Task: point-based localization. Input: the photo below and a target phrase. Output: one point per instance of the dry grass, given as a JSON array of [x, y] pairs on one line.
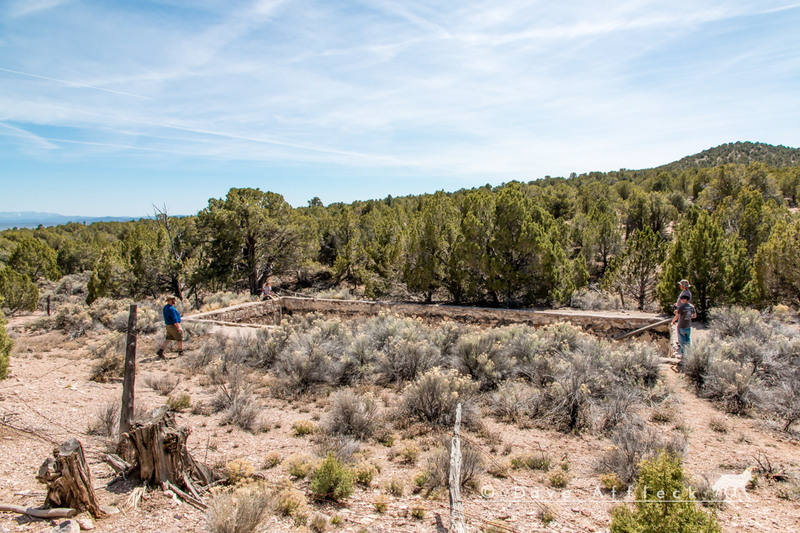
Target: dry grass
[[238, 511]]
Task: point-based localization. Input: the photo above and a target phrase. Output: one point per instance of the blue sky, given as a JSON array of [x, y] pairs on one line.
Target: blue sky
[[107, 108]]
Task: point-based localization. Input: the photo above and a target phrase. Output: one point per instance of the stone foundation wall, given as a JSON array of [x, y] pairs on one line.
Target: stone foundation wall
[[270, 312]]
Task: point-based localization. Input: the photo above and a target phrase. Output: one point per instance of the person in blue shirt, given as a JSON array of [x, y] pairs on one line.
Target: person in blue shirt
[[172, 319]]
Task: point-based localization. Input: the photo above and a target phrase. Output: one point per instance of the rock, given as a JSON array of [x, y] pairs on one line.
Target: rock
[[87, 524], [69, 526]]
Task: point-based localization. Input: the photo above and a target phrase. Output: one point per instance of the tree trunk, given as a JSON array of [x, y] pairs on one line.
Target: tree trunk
[[68, 480]]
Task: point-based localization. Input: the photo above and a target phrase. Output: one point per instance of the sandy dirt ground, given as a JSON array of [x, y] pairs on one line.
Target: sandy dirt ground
[[48, 399]]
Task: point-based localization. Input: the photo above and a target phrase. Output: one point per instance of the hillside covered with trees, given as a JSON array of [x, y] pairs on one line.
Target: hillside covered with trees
[[723, 218]]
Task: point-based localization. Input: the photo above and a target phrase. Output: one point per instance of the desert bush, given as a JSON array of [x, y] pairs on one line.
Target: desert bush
[[633, 442], [299, 465], [408, 453], [616, 408], [733, 384], [238, 471], [405, 359], [289, 501], [180, 401], [353, 415], [514, 401], [364, 473], [110, 360], [164, 384], [220, 300], [106, 420], [342, 447], [738, 322], [272, 459], [72, 319], [675, 510], [311, 358], [318, 523], [302, 428], [534, 461], [438, 468], [594, 300], [434, 395], [234, 397], [238, 511], [635, 364], [395, 487], [558, 479], [332, 480], [381, 503], [482, 356]]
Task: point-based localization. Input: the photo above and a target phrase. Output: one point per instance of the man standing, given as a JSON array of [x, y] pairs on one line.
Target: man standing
[[174, 331], [683, 316]]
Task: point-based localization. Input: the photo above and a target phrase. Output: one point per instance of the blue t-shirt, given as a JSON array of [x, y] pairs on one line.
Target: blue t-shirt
[[171, 315]]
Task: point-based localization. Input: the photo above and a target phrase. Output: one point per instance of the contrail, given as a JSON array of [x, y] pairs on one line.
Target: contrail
[[74, 84]]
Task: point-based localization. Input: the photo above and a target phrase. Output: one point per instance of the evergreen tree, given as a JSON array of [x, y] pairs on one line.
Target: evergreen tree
[[34, 258], [431, 237], [250, 236], [776, 268], [5, 347], [17, 291], [635, 271]]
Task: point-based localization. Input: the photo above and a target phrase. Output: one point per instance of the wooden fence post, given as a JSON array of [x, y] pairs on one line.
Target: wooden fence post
[[457, 522], [126, 413]]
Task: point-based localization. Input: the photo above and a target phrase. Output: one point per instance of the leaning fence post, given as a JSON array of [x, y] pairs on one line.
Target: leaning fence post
[[457, 523]]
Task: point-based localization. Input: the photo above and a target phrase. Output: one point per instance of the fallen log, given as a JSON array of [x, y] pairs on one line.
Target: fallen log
[[58, 512]]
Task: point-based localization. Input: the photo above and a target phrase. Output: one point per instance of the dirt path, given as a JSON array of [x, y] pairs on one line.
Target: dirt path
[[712, 453]]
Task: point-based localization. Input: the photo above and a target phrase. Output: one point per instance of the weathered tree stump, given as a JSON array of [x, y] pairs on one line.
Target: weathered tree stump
[[161, 455], [68, 480]]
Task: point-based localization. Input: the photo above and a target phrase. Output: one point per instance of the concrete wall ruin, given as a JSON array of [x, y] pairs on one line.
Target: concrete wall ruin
[[271, 312]]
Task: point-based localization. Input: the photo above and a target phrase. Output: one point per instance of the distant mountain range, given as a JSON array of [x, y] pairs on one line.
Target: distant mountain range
[[32, 219]]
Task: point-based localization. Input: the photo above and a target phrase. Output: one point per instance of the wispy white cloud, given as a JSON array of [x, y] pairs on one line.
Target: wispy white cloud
[[21, 8], [467, 89]]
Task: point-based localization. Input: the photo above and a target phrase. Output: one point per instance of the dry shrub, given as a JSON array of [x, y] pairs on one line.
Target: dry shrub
[[290, 502], [234, 398], [405, 359], [482, 356], [594, 300], [272, 459], [738, 322], [353, 415], [438, 469], [633, 442], [514, 401], [72, 319], [180, 401], [311, 358], [733, 384], [106, 420], [302, 428], [238, 511], [434, 395], [164, 384], [299, 465], [342, 447], [238, 471], [111, 362]]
